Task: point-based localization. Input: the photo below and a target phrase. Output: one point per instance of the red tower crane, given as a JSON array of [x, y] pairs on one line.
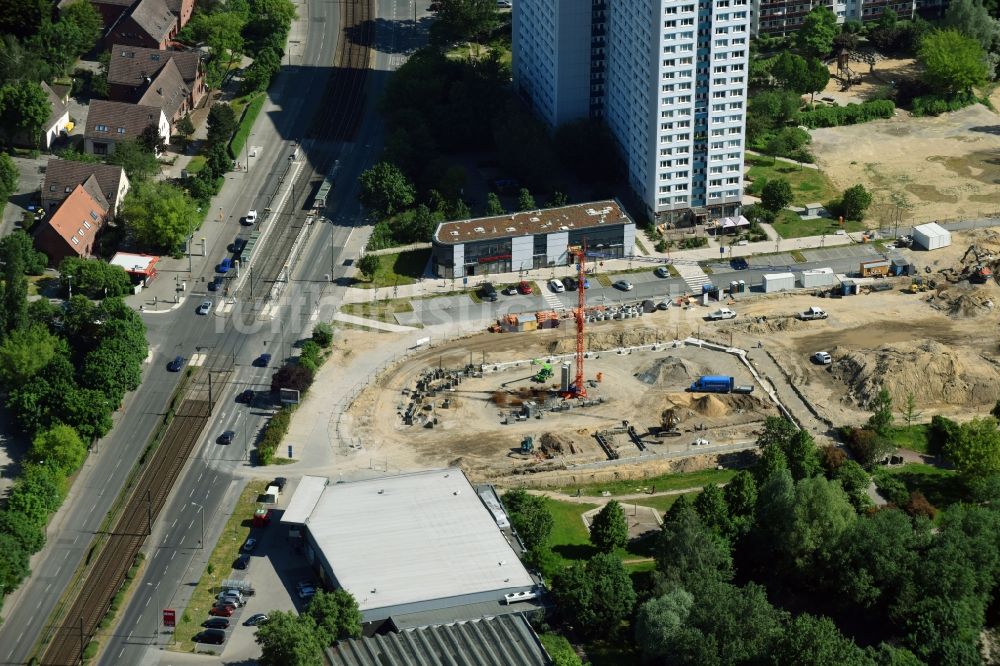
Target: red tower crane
[[579, 388]]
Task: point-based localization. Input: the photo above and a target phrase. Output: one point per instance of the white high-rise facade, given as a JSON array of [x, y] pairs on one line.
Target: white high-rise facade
[[668, 76]]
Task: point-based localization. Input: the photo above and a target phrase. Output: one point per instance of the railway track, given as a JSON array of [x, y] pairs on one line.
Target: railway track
[[337, 118]]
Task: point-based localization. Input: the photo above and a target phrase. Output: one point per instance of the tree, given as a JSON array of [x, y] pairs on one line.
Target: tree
[[910, 411], [659, 620], [881, 419], [28, 534], [688, 551], [819, 27], [294, 377], [737, 625], [855, 481], [322, 334], [596, 596], [493, 205], [772, 461], [368, 266], [385, 189], [802, 455], [776, 194], [24, 352], [287, 639], [855, 202], [9, 177], [185, 127], [221, 123], [94, 277], [15, 291], [139, 163], [59, 447], [336, 616], [609, 529], [712, 508], [78, 29], [37, 492], [159, 216], [14, 563], [815, 641], [529, 516], [775, 108], [24, 108], [524, 200], [777, 430], [558, 200], [464, 20], [741, 499], [800, 74], [972, 19], [775, 504], [975, 450], [952, 62], [821, 514], [152, 140]]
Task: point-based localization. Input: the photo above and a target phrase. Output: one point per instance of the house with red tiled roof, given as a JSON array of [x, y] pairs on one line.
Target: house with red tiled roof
[[132, 71], [72, 229], [149, 23]]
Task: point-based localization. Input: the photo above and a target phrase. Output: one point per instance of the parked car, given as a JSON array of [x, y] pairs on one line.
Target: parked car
[[249, 545], [739, 264], [262, 361], [663, 305], [524, 287], [216, 283], [242, 563], [251, 217], [205, 307], [823, 358], [245, 397], [226, 437], [556, 286], [216, 623], [721, 313], [231, 592], [226, 610], [224, 265], [176, 364], [701, 441], [504, 4], [307, 592], [624, 285], [211, 636], [488, 292], [280, 482], [661, 272], [569, 283], [237, 246], [255, 620]]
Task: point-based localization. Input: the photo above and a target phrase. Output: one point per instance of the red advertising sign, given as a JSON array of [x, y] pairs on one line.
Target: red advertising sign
[[169, 617]]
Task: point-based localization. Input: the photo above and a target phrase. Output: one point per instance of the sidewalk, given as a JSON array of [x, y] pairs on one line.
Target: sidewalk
[[439, 286]]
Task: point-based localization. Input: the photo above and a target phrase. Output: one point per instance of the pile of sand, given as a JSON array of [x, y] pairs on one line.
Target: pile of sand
[[553, 444], [972, 304], [603, 341], [768, 325], [702, 404], [709, 405], [669, 371], [933, 373]]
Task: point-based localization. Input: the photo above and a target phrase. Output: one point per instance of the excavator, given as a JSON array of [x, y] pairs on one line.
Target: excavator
[[668, 424]]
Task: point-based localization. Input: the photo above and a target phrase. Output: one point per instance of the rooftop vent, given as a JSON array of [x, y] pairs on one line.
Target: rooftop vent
[[510, 229], [564, 228], [454, 233], [535, 219], [479, 230]]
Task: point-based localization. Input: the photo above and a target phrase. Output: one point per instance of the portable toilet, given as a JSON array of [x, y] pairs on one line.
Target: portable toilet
[[849, 287]]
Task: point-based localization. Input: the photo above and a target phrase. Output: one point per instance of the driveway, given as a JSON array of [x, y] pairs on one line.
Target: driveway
[[31, 173]]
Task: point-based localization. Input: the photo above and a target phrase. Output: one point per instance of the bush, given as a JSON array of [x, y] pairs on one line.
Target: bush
[[322, 334], [273, 434], [917, 505], [935, 105], [852, 114], [942, 432], [868, 446], [692, 243], [891, 488]]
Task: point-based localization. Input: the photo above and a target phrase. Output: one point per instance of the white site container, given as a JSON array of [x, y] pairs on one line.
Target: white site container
[[818, 277], [778, 282], [931, 236]]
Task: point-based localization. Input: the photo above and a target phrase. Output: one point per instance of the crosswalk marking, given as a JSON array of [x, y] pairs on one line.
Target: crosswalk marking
[[552, 300], [198, 359]]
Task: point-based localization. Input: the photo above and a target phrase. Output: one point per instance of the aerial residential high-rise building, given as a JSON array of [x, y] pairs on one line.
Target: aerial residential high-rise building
[[668, 76]]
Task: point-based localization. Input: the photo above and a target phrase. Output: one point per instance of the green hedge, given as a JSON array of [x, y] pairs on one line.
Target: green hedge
[[935, 105], [852, 114], [277, 427]]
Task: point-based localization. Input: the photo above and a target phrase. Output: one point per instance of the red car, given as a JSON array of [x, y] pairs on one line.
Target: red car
[[222, 611], [524, 287]]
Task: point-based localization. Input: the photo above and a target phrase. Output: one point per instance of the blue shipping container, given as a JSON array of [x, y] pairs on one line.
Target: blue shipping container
[[713, 384]]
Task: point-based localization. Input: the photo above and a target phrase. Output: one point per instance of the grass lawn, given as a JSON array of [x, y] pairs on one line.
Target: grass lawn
[[219, 568], [674, 481], [790, 225], [380, 310], [942, 487], [253, 106], [661, 503], [570, 540], [397, 269], [914, 437], [808, 185], [196, 164]]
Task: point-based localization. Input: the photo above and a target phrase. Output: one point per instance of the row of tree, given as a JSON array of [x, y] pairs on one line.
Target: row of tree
[[64, 371], [289, 638]]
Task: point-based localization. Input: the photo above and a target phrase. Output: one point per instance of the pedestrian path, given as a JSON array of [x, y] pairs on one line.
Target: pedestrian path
[[371, 323], [693, 276]]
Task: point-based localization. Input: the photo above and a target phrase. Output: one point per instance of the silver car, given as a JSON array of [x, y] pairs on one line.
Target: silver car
[[205, 307]]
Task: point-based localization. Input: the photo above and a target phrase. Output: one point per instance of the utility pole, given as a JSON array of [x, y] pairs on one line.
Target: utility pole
[[82, 646]]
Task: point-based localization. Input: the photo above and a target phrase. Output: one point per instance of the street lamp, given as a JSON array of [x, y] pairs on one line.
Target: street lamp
[[201, 510]]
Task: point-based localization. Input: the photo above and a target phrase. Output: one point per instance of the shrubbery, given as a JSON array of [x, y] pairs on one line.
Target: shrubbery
[[273, 434], [852, 114], [935, 105]]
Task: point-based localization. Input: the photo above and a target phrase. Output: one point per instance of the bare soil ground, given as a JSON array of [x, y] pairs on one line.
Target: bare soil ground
[[942, 168]]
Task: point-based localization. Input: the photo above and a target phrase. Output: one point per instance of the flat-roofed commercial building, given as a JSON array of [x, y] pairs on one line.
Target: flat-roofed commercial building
[[531, 239], [414, 544]]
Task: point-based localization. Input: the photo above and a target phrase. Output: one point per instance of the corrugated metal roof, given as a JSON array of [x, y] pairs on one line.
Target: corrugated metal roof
[[507, 640]]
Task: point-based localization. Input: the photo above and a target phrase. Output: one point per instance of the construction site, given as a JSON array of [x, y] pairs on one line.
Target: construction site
[[504, 405]]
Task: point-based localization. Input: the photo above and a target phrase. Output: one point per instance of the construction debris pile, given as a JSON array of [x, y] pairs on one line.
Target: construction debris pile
[[934, 373], [669, 371], [419, 410]]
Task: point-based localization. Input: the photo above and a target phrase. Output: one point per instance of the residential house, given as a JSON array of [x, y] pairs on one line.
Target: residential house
[[150, 23], [110, 10], [133, 70], [182, 10], [62, 177], [168, 92], [58, 117], [109, 123], [72, 229]]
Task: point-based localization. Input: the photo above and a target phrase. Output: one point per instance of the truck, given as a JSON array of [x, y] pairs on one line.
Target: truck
[[713, 384], [812, 313], [721, 313]]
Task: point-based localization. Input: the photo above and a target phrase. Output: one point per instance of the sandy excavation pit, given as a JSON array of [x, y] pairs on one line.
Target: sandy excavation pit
[[477, 423]]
